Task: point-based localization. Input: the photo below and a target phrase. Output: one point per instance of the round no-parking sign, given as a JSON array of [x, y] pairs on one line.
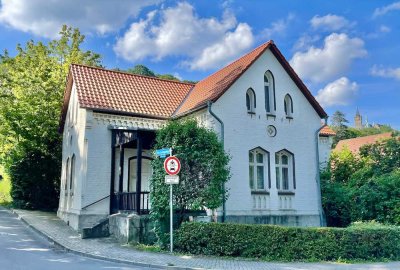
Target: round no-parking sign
[[172, 165]]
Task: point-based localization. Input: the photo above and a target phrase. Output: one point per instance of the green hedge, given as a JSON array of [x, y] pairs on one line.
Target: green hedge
[[271, 242]]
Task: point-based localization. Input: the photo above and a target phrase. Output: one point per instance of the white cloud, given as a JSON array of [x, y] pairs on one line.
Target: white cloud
[[45, 18], [384, 29], [277, 28], [330, 22], [207, 42], [339, 92], [385, 72], [383, 10], [305, 41], [330, 61]]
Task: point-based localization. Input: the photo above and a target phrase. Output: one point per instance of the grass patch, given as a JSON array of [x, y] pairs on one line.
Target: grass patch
[[5, 188]]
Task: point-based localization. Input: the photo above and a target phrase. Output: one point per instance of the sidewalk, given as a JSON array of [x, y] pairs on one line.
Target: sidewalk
[[49, 225]]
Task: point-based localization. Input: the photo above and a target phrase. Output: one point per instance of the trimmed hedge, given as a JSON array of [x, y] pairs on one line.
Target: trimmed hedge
[[280, 243]]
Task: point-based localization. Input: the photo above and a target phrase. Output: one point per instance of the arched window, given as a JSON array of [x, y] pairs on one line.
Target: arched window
[[67, 173], [285, 171], [250, 100], [288, 104], [72, 175], [269, 90], [258, 169]]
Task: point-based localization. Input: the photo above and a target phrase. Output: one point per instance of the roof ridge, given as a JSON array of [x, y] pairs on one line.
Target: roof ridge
[[131, 74], [269, 42]]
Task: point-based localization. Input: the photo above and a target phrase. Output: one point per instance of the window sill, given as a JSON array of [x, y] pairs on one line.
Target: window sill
[[252, 113], [289, 117], [271, 115], [259, 192], [287, 193]]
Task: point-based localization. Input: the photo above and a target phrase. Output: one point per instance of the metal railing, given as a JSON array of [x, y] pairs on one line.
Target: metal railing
[[126, 201]]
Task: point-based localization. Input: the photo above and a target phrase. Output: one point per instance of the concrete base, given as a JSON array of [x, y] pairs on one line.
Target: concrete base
[[289, 220], [132, 228], [78, 222]]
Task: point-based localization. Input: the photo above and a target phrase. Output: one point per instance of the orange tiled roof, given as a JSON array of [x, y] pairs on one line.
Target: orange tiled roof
[[355, 144], [101, 89], [215, 85], [119, 92], [327, 131]]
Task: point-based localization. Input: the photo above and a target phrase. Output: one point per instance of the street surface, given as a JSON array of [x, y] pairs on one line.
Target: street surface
[[22, 248]]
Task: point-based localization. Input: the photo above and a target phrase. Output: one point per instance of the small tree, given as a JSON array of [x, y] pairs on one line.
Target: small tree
[[204, 171]]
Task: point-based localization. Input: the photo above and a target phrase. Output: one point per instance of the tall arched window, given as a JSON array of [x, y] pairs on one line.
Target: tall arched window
[[72, 175], [67, 174], [288, 104], [269, 90], [285, 171], [258, 169], [250, 100]]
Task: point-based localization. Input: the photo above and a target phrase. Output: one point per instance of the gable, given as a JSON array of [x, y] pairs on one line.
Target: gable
[[214, 86]]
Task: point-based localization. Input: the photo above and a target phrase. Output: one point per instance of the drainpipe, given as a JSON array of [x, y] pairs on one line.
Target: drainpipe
[[209, 103], [318, 180]]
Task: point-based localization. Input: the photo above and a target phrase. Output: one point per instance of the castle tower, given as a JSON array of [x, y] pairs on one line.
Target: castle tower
[[358, 120]]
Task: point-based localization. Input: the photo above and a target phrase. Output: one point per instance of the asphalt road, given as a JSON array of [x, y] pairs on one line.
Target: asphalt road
[[22, 248]]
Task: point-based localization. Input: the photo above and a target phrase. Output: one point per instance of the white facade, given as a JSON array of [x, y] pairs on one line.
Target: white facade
[[87, 136]]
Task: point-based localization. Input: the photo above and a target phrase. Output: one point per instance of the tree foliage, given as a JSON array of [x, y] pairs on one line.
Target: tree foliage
[[141, 70], [364, 187], [204, 170], [32, 84]]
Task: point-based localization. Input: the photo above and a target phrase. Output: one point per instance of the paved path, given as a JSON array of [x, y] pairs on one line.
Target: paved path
[[22, 248], [107, 248]]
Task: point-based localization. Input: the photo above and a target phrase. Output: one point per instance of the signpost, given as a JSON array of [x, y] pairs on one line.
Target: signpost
[[172, 167]]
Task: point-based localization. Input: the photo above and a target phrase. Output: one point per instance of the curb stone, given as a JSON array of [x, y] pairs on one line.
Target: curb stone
[[88, 255]]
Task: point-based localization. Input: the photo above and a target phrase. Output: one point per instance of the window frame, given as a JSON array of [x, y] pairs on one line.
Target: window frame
[[72, 173], [253, 165], [251, 103], [269, 93], [291, 172], [288, 106]]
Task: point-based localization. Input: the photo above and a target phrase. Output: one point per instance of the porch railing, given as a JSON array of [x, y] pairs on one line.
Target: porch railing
[[126, 201]]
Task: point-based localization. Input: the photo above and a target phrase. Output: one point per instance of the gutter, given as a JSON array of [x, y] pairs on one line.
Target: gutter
[[209, 104], [322, 220]]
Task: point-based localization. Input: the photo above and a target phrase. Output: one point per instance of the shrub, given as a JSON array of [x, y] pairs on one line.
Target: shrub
[[272, 242]]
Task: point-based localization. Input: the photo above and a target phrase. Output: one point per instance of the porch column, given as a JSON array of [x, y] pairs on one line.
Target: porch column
[[138, 171], [121, 168]]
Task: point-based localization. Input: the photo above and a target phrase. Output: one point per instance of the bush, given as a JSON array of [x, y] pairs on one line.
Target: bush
[[34, 180], [271, 242]]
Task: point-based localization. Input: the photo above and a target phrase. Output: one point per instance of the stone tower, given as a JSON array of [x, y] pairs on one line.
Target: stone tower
[[358, 120]]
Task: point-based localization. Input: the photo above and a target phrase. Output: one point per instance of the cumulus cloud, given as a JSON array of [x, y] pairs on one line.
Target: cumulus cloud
[[330, 61], [383, 10], [277, 28], [330, 22], [45, 18], [339, 92], [385, 72], [178, 30]]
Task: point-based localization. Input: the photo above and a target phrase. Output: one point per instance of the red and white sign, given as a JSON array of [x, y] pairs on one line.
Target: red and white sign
[[172, 165]]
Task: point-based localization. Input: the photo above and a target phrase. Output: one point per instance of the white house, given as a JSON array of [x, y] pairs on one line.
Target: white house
[[267, 119]]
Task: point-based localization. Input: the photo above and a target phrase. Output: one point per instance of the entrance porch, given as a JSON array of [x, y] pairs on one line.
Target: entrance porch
[[131, 170]]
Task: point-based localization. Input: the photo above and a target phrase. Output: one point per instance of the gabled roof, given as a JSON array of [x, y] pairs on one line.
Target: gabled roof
[[327, 131], [355, 144], [215, 85], [124, 93]]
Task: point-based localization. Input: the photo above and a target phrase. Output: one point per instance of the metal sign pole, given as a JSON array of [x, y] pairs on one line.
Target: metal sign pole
[[171, 219]]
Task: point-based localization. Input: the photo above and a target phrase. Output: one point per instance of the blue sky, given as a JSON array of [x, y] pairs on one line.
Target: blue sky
[[346, 52]]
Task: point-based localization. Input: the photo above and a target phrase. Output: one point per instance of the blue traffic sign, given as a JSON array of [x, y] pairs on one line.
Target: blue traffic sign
[[162, 153]]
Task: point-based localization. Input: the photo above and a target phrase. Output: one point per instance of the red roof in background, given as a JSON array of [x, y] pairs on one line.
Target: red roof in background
[[327, 131], [124, 93], [355, 144]]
